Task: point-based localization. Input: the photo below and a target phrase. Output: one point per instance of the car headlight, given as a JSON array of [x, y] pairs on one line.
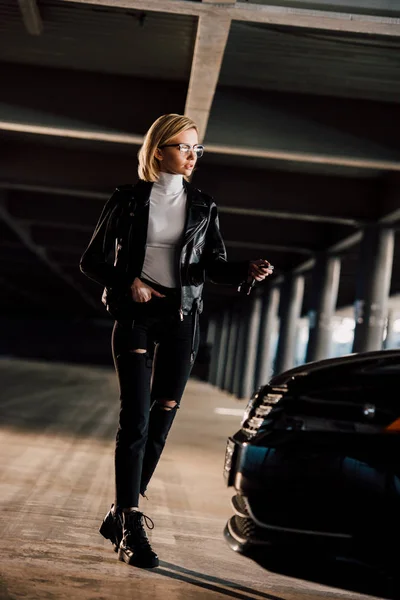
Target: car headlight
[[249, 407], [260, 405], [228, 462]]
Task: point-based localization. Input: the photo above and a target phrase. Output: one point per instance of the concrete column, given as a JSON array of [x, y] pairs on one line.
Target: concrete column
[[211, 329], [325, 285], [232, 349], [243, 324], [290, 311], [223, 349], [210, 338], [250, 347], [375, 272], [268, 324], [389, 340], [215, 350]]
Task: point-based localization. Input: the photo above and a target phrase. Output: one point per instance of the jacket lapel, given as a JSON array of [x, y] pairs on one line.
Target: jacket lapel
[[196, 208], [141, 193], [197, 212]]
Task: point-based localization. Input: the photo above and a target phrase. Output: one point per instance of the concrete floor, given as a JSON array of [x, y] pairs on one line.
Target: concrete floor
[[57, 439]]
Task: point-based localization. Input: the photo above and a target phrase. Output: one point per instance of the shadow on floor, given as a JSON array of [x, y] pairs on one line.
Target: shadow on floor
[[335, 572], [213, 584], [348, 574]]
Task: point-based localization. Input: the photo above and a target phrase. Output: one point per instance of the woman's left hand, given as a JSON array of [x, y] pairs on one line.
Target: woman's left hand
[[260, 269]]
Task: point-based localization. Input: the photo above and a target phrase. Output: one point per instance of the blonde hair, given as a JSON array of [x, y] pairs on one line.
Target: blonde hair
[[161, 132]]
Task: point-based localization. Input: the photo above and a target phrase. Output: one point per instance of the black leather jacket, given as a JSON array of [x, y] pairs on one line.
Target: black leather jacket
[[115, 254]]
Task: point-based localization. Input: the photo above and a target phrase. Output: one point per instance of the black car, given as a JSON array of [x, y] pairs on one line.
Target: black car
[[316, 462]]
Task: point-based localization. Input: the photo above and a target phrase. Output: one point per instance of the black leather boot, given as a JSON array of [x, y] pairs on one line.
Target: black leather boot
[[111, 527], [135, 548]]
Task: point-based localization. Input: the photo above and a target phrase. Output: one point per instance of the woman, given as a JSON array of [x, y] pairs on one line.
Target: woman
[[164, 239]]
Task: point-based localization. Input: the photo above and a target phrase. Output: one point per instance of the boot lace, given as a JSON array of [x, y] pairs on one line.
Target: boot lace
[[135, 534]]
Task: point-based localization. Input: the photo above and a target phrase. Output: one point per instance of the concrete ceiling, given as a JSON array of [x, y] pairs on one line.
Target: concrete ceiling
[[297, 103]]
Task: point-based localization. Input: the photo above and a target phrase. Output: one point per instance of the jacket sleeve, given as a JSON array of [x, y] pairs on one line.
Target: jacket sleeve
[[95, 262], [217, 267]]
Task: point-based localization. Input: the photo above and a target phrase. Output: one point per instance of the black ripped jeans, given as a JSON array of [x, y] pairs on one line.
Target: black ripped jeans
[[144, 422]]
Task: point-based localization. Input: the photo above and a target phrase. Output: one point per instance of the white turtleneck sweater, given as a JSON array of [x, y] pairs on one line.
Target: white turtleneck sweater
[[164, 233]]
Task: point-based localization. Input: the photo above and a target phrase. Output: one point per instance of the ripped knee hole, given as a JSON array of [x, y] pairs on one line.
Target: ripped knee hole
[[167, 404]]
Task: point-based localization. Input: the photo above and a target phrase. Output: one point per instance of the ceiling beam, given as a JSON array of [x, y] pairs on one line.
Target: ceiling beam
[[347, 242], [391, 217], [337, 248], [70, 132], [264, 13], [253, 212], [211, 39], [276, 247], [74, 252], [31, 16], [24, 235], [133, 139], [56, 191], [228, 243], [56, 225], [316, 19], [306, 157], [293, 216]]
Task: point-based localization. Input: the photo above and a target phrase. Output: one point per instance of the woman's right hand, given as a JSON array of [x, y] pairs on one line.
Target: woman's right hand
[[142, 292]]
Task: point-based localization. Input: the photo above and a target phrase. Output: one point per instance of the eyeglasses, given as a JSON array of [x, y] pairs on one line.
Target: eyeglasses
[[184, 149]]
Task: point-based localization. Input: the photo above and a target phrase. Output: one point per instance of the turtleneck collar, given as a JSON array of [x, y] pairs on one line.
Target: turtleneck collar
[[169, 183]]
